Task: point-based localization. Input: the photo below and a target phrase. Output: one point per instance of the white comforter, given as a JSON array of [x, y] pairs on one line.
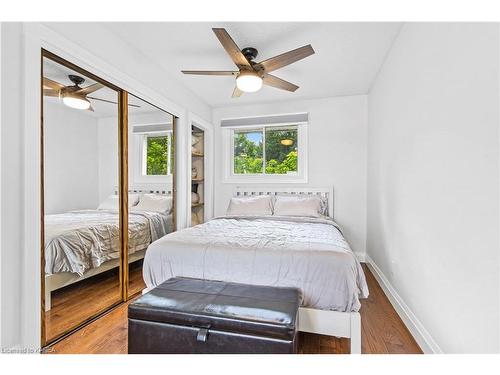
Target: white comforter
[[77, 241], [308, 253]]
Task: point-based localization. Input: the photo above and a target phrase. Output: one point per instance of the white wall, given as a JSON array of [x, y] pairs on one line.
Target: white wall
[[336, 157], [433, 158], [71, 159], [11, 168], [108, 165]]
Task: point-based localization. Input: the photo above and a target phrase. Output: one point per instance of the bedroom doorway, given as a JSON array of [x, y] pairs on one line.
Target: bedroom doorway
[[107, 188]]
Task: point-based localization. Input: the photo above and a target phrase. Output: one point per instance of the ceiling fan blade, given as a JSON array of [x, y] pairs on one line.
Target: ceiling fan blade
[[237, 92], [89, 89], [211, 72], [52, 84], [232, 48], [285, 59], [50, 92], [111, 102], [279, 83]]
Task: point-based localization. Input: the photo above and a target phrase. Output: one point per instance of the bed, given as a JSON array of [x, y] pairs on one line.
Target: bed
[[305, 252], [84, 243]]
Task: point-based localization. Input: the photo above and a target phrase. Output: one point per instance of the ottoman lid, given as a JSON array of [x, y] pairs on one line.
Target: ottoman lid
[[255, 310]]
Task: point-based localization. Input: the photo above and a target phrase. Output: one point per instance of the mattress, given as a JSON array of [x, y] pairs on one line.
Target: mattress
[[307, 253], [78, 241]]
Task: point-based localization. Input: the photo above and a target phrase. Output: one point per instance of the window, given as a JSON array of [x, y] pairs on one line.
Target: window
[[248, 152], [157, 151], [271, 150], [266, 153]]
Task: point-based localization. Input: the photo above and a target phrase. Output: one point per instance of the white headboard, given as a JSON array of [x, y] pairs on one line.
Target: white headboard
[[147, 189], [275, 190]]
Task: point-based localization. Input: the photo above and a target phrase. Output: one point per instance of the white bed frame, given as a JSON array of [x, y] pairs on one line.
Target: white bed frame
[[324, 322], [59, 280]]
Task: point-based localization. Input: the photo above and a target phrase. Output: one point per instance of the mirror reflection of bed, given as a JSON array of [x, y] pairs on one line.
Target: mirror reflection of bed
[[81, 202]]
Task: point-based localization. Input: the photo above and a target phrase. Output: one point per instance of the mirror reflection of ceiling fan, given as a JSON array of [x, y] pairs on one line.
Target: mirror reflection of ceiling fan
[[251, 75], [75, 96]]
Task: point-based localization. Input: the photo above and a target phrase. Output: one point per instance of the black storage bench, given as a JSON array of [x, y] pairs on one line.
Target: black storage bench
[[185, 315]]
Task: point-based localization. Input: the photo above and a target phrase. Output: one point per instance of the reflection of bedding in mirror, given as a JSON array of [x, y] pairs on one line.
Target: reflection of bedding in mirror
[[80, 240]]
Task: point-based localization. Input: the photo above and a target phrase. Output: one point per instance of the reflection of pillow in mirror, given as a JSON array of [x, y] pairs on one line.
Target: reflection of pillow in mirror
[[133, 199], [250, 205], [154, 203], [110, 203], [113, 202]]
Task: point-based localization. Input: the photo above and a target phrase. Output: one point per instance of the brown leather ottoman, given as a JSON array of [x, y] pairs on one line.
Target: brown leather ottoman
[[185, 315]]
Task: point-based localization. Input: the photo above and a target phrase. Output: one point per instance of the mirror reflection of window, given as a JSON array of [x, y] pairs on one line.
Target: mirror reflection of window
[[158, 155]]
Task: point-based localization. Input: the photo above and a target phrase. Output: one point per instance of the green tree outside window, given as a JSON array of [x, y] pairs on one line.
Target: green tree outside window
[[157, 162], [280, 158]]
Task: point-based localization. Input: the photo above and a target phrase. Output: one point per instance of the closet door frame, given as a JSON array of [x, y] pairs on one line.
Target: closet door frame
[[123, 187], [123, 194]]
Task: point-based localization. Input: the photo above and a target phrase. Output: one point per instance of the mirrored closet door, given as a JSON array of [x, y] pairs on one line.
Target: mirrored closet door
[[81, 254], [108, 192], [150, 183]]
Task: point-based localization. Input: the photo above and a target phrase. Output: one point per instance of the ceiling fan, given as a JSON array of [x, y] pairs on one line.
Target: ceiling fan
[[251, 75], [74, 96]]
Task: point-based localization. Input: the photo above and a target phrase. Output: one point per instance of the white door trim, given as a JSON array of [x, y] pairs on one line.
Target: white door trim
[[208, 172]]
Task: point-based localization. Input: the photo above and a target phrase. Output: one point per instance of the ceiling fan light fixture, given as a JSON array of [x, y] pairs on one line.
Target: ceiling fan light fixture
[[75, 101], [286, 142], [249, 82]]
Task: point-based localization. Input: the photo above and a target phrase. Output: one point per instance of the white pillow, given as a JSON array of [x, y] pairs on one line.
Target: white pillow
[[323, 201], [252, 205], [154, 203], [133, 199], [297, 206], [113, 202]]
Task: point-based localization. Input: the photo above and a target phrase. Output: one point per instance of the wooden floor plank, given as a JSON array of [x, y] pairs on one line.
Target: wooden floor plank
[[79, 301], [383, 332]]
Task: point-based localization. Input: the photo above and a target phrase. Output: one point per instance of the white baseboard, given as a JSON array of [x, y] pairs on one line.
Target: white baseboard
[[361, 256], [416, 328]]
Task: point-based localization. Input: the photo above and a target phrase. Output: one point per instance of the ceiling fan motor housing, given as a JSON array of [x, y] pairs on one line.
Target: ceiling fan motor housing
[[77, 80], [250, 53]]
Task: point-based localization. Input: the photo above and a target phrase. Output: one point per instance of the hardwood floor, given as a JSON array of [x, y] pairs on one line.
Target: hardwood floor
[[383, 332], [77, 302]]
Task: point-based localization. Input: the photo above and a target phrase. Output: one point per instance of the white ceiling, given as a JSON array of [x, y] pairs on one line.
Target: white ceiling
[[347, 59]]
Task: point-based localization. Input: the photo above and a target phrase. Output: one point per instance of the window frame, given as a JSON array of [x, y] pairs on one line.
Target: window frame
[[140, 164], [300, 176], [144, 153]]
